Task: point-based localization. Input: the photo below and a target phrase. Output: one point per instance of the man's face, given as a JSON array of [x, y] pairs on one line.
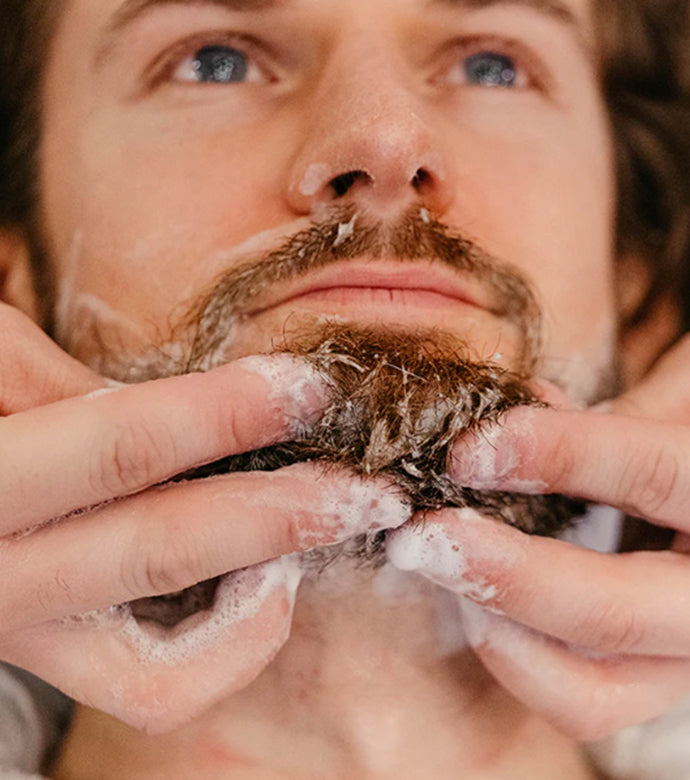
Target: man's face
[[185, 139]]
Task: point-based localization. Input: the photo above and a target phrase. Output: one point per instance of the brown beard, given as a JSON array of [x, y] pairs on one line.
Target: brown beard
[[398, 402]]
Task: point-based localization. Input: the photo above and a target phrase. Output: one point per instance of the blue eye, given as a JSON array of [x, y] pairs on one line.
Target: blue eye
[[489, 69], [219, 65]]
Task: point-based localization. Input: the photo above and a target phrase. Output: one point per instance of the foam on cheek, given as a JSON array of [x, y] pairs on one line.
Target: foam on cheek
[[239, 598], [429, 550], [295, 387]]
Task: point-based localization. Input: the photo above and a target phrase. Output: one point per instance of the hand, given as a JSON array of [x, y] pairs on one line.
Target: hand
[[83, 527], [593, 642]]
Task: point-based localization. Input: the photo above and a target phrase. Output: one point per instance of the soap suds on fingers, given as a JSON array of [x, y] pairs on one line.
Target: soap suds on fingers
[[489, 459], [352, 508], [294, 384], [239, 598], [428, 549]]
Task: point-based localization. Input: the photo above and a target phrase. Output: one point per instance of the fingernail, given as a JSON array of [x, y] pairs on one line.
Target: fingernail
[[362, 507], [484, 460], [490, 459], [428, 549], [295, 385], [553, 395]]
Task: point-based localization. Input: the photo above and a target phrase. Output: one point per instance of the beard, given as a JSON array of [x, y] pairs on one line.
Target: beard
[[397, 403]]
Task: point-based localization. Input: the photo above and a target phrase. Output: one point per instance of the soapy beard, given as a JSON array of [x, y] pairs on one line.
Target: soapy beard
[[398, 401]]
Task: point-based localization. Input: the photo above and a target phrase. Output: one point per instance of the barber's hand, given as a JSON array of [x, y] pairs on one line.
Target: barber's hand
[[594, 642], [83, 527]]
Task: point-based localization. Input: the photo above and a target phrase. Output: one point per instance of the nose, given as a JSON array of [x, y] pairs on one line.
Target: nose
[[370, 146]]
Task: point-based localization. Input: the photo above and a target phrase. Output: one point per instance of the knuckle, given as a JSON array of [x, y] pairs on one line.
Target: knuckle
[[163, 566], [649, 482], [560, 460], [613, 628], [54, 596], [233, 427], [131, 460]]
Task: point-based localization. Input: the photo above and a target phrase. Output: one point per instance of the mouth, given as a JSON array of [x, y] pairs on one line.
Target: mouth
[[390, 286]]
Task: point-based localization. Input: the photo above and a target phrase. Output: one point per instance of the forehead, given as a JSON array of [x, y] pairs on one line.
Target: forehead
[[114, 15]]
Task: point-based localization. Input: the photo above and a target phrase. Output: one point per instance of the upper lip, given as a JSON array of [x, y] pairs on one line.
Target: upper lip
[[429, 276]]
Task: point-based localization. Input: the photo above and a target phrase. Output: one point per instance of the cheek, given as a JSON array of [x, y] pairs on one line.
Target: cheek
[[544, 201], [143, 221]]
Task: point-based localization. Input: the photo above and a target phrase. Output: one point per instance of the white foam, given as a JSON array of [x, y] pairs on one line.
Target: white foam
[[345, 232], [658, 750], [294, 384], [239, 598], [364, 506], [314, 178], [428, 549], [103, 391]]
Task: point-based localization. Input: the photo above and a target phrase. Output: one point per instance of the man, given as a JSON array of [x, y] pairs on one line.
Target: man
[[206, 181]]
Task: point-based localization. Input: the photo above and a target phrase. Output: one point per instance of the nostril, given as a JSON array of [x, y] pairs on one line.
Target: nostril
[[420, 179], [342, 184]]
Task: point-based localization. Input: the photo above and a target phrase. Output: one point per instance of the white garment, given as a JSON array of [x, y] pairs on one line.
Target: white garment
[[32, 716], [657, 750]]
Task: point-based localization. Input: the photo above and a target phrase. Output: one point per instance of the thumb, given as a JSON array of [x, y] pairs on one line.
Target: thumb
[[33, 370], [664, 394]]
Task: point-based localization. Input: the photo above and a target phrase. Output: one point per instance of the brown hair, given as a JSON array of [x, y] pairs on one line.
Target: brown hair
[[644, 78]]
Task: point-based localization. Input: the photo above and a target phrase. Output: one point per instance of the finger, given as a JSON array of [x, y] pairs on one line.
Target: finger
[[640, 466], [635, 603], [157, 682], [80, 452], [552, 395], [33, 370], [584, 696], [663, 394], [170, 538]]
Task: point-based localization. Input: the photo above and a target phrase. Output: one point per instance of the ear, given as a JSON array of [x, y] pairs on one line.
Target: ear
[[16, 277], [643, 343]]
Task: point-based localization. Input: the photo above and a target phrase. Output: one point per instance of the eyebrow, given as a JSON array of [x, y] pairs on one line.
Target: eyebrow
[[557, 10], [130, 10]]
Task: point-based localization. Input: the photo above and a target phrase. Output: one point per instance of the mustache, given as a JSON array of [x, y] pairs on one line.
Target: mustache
[[346, 234]]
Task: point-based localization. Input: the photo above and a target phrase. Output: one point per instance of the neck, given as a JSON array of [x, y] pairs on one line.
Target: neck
[[375, 681]]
